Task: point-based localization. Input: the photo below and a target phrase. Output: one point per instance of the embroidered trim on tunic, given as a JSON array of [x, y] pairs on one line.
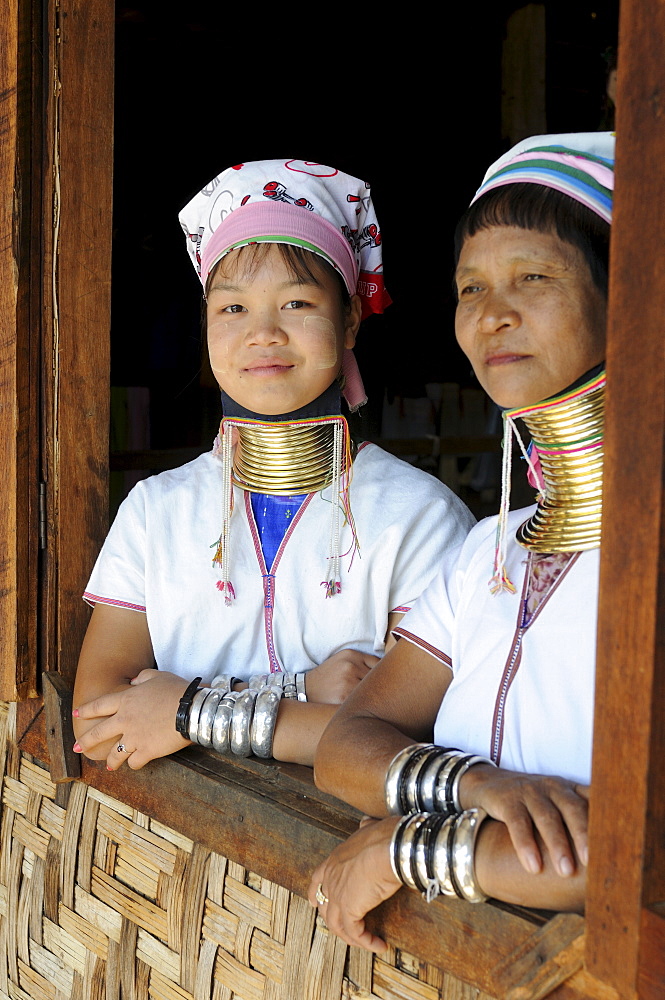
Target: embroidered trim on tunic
[[417, 641], [96, 599], [269, 580], [536, 592]]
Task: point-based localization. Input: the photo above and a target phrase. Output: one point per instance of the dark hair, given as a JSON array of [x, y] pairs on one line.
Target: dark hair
[[302, 265], [532, 206]]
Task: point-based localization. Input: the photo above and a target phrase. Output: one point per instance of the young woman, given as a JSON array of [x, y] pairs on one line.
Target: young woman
[[504, 674], [286, 554]]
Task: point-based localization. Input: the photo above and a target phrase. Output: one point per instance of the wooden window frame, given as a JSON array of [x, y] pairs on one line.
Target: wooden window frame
[[55, 262], [55, 307]]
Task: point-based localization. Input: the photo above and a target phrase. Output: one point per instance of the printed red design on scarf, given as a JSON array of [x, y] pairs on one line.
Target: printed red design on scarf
[[307, 167], [277, 192]]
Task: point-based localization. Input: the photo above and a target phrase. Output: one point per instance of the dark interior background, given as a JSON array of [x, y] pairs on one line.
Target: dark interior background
[[410, 101]]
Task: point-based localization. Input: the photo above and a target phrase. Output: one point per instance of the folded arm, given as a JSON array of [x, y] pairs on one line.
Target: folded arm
[[358, 876], [396, 705], [120, 698]]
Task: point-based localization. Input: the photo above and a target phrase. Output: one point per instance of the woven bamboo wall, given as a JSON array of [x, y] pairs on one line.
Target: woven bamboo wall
[[99, 902]]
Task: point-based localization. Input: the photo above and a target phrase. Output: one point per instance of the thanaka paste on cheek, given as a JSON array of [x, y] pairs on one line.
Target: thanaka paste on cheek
[[218, 347], [321, 341]]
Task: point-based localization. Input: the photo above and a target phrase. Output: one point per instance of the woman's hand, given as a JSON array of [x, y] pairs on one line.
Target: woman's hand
[[555, 807], [333, 680], [141, 718], [355, 878]]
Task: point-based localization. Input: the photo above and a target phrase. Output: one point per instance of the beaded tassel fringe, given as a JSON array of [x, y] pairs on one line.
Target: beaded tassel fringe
[[340, 504], [500, 581], [300, 461], [221, 556]]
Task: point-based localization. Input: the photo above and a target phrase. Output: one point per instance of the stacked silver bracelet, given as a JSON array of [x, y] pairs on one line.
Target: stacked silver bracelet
[[292, 685], [237, 722], [424, 777], [434, 854], [432, 848]]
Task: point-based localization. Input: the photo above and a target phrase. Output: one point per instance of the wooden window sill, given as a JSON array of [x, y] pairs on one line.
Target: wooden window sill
[[271, 819]]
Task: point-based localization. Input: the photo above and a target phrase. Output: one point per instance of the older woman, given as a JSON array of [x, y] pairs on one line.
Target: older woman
[[504, 674]]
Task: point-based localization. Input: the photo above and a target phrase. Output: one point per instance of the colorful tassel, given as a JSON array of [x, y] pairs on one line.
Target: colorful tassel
[[221, 557], [500, 582], [341, 474]]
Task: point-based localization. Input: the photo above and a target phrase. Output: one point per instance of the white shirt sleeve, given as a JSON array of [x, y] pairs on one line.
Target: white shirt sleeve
[[430, 623], [118, 577]]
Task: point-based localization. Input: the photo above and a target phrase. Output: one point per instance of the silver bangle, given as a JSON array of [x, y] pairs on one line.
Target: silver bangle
[[440, 857], [224, 682], [411, 778], [300, 687], [195, 711], [408, 787], [453, 793], [289, 686], [429, 779], [262, 729], [419, 857], [257, 681], [394, 847], [462, 855], [206, 717], [221, 726], [394, 775], [405, 854], [442, 798], [423, 866], [241, 722]]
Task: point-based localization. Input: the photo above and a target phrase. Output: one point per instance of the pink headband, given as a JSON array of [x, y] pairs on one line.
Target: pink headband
[[277, 222]]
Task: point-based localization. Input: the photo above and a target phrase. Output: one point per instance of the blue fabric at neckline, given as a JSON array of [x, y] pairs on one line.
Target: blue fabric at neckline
[[273, 515]]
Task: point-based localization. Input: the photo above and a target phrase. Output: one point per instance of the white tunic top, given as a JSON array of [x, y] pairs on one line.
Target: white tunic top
[[522, 696], [158, 555]]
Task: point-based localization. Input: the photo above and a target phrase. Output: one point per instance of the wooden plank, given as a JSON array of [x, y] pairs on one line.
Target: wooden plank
[[546, 959], [27, 487], [19, 338], [49, 254], [627, 864], [9, 287], [583, 986], [65, 764], [78, 459], [651, 980], [523, 60]]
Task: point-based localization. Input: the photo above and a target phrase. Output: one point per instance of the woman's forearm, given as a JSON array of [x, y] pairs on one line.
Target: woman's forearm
[[298, 729], [352, 760], [396, 704], [500, 874]]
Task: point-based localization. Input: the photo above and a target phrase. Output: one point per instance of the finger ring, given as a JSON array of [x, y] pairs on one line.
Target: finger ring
[[121, 748], [320, 895]]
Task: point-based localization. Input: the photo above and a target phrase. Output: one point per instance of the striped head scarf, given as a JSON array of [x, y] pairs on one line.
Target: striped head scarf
[[579, 164]]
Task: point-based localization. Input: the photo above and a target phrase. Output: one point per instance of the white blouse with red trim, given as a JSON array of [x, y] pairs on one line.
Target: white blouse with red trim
[[158, 555], [521, 694]]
